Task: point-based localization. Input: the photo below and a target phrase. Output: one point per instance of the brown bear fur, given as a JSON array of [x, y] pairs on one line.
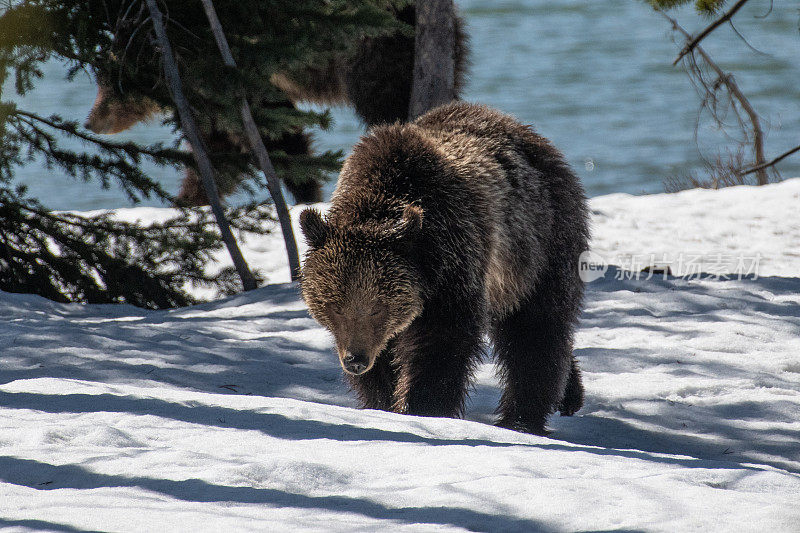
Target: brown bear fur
[[375, 78], [113, 114], [459, 225]]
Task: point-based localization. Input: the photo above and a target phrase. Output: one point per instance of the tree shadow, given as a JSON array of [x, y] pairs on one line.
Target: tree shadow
[[616, 433], [679, 422], [42, 525], [689, 293], [263, 342], [33, 474], [283, 427]]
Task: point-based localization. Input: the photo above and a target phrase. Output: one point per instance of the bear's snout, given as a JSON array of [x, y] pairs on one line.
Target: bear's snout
[[93, 124], [100, 123], [355, 362]]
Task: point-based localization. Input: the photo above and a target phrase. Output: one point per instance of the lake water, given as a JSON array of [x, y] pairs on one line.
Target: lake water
[[595, 77]]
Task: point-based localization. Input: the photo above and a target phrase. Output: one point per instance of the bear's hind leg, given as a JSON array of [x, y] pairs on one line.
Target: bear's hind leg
[[218, 143], [573, 395], [305, 185], [306, 192], [534, 350]]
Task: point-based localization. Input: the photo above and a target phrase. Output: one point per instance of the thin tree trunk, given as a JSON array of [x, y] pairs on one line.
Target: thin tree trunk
[[257, 145], [434, 64], [198, 149]]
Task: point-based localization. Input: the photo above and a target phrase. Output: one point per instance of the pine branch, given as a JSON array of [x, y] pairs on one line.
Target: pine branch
[[128, 147], [122, 159]]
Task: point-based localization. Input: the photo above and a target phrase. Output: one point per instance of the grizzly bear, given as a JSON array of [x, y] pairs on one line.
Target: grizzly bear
[[375, 77], [461, 225]]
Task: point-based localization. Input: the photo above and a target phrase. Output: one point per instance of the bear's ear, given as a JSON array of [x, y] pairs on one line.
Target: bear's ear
[[411, 222], [314, 228], [406, 232]]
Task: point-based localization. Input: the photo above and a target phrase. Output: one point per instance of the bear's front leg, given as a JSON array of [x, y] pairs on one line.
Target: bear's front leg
[[435, 359], [375, 387]]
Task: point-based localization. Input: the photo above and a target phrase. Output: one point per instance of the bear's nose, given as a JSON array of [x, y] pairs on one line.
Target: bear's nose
[[93, 127], [355, 363]]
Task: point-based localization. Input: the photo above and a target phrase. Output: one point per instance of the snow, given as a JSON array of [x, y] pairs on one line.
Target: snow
[[232, 415]]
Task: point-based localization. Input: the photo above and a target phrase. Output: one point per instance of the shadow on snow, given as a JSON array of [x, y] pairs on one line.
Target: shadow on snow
[[29, 473], [283, 427]]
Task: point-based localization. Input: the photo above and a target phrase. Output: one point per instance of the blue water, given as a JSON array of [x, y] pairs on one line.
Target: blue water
[[595, 77]]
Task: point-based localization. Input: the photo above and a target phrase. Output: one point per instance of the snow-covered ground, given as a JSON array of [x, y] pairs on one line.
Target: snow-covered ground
[[232, 415]]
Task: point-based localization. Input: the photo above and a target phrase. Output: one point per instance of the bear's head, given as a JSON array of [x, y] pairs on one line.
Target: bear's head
[[362, 282], [113, 113]]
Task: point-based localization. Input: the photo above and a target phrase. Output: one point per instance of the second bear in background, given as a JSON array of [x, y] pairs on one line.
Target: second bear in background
[[375, 79]]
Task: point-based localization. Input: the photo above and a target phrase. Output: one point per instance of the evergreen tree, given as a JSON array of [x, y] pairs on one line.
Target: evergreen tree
[[66, 257], [707, 7]]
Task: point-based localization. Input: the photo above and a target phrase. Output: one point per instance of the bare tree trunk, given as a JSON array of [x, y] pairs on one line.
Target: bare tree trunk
[[198, 149], [257, 145], [434, 64]]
